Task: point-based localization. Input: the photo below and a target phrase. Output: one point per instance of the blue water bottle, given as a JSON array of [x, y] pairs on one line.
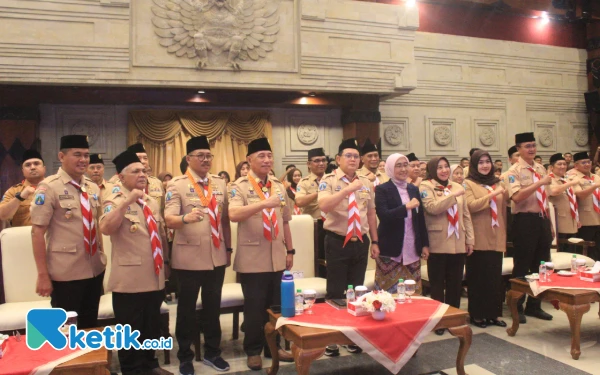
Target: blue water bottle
[[288, 308]]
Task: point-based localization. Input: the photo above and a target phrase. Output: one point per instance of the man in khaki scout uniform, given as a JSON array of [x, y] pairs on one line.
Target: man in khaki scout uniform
[[307, 194], [154, 187], [341, 194], [67, 245], [17, 199], [562, 196], [96, 173], [414, 171], [370, 159], [137, 278], [260, 206], [532, 230], [513, 158], [588, 199], [196, 208]]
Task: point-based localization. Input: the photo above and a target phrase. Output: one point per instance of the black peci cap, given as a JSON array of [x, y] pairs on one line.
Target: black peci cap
[[197, 143], [412, 157], [260, 144], [368, 147], [316, 152], [524, 137], [138, 148], [348, 143], [96, 159], [31, 154], [74, 141], [512, 150], [556, 157], [124, 159], [580, 156]]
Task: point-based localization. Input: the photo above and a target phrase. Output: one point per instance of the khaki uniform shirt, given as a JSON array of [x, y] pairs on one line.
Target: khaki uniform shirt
[[565, 222], [155, 190], [309, 185], [382, 177], [106, 188], [436, 204], [22, 217], [132, 266], [337, 218], [66, 257], [587, 215], [254, 252], [193, 247], [478, 202], [115, 180], [519, 176]]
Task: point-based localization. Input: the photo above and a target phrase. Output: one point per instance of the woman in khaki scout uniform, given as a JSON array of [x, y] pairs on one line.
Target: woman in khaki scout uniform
[[15, 203], [588, 199], [526, 183], [293, 176], [307, 197], [449, 240], [261, 208], [67, 245], [201, 252], [561, 193], [139, 247], [486, 199]]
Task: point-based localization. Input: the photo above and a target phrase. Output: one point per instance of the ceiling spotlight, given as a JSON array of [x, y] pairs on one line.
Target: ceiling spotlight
[[411, 3], [200, 91], [545, 18], [312, 94]]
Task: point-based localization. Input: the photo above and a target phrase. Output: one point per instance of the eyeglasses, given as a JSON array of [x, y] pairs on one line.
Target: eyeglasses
[[351, 156], [319, 161], [582, 162], [201, 157]]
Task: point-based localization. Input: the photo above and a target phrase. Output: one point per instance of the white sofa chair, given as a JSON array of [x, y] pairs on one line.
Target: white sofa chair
[[18, 279], [303, 237]]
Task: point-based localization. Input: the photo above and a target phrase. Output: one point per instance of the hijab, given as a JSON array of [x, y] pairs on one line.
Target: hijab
[[432, 166], [390, 166], [474, 175], [452, 169]]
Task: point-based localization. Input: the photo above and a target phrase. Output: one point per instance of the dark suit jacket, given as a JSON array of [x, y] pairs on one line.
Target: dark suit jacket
[[391, 212]]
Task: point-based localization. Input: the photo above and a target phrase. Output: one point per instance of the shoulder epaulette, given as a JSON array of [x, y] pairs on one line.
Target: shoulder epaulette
[[179, 178]]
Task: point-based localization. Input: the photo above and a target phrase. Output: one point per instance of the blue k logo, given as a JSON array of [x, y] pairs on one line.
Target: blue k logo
[[43, 325]]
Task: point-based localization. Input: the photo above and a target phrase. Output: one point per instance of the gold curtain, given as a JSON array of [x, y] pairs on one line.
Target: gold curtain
[[164, 134]]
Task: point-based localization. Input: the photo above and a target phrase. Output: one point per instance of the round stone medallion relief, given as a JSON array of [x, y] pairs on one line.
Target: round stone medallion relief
[[442, 135], [581, 137], [393, 135], [85, 128], [487, 137], [308, 134], [546, 138]]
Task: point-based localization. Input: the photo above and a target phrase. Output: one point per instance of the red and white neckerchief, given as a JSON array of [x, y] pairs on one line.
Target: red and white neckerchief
[[493, 205], [572, 199], [270, 225], [354, 228], [89, 227], [297, 210], [595, 195], [209, 201], [154, 237], [452, 215], [540, 193]]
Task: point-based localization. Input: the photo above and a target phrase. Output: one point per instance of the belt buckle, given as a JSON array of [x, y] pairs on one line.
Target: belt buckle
[[354, 239]]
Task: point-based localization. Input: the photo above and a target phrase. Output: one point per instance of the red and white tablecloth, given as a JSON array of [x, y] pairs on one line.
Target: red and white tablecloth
[[563, 282], [392, 341], [20, 360]]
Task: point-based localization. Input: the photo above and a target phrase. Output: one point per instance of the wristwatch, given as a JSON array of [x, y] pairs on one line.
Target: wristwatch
[[229, 250], [374, 242], [291, 252], [19, 197]]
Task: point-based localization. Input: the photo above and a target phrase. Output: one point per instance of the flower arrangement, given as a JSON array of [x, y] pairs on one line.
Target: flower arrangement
[[378, 300]]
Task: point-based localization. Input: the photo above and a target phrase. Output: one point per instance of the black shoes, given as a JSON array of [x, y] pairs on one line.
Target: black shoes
[[496, 322], [481, 323], [538, 313], [440, 331], [332, 350]]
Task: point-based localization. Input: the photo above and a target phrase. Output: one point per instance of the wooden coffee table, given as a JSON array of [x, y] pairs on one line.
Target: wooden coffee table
[[308, 344], [574, 302], [93, 363]]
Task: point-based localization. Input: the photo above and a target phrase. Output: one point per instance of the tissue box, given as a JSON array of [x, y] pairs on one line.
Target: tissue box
[[590, 276], [356, 309]]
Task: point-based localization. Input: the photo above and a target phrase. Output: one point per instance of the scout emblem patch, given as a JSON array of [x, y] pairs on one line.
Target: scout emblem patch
[[116, 189], [424, 194], [40, 199], [232, 192], [169, 196], [107, 209], [511, 179], [322, 186]]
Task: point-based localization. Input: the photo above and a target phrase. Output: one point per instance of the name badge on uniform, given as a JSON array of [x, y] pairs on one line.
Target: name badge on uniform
[[190, 194], [338, 188], [65, 197]]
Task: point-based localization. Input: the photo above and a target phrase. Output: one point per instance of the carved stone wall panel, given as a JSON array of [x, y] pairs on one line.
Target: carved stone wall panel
[[545, 135], [486, 134], [580, 137], [395, 134], [441, 136]]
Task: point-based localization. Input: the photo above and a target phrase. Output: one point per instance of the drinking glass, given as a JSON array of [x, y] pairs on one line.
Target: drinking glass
[[309, 298], [411, 287], [549, 271]]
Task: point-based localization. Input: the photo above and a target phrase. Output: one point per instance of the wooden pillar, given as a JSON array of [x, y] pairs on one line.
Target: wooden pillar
[[361, 120]]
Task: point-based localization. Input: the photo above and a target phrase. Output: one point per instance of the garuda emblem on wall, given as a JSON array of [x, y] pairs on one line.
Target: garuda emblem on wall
[[242, 29]]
